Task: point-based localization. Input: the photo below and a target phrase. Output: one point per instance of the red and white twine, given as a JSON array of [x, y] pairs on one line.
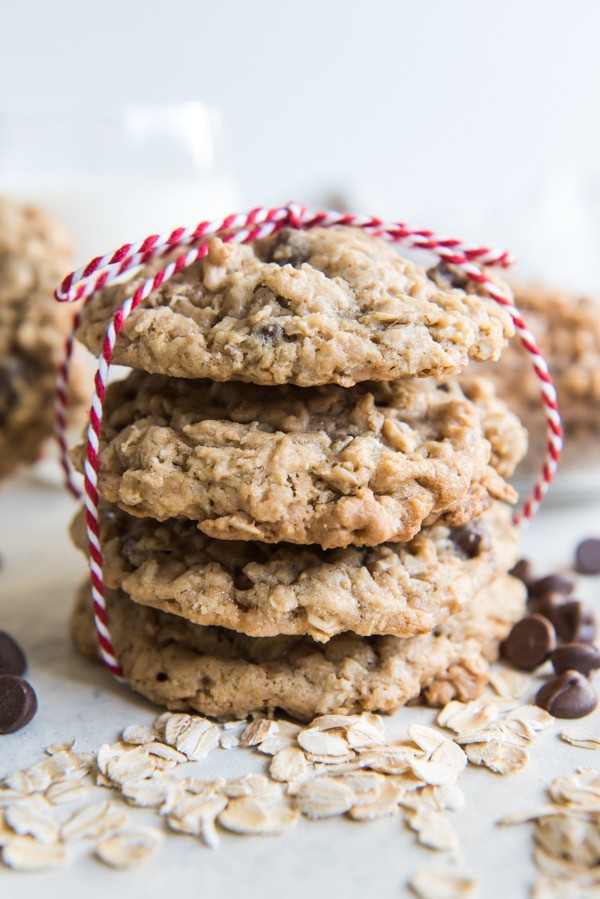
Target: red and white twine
[[243, 228]]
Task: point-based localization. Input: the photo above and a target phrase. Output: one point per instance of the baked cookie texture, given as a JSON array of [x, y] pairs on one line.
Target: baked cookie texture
[[262, 590], [567, 328], [217, 672], [325, 465], [325, 306], [35, 253]]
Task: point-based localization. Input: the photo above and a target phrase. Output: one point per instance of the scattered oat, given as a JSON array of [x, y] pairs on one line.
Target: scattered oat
[[129, 848], [9, 797], [258, 730], [499, 757], [60, 747], [33, 818], [128, 767], [430, 884], [256, 815], [94, 821], [378, 803], [27, 854], [466, 717], [6, 832], [65, 791], [324, 797], [322, 744], [509, 683], [192, 735], [288, 765], [229, 741], [138, 734], [444, 766], [192, 814], [434, 830], [581, 738]]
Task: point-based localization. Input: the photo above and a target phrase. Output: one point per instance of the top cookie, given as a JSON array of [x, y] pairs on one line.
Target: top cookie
[[301, 307], [34, 253]]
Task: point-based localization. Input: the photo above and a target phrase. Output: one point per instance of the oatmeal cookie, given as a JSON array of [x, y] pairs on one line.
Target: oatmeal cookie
[[34, 254], [218, 672], [264, 590], [323, 465], [567, 328], [302, 307]]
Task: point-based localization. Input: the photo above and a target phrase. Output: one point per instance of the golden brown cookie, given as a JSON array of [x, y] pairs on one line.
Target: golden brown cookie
[[307, 308], [34, 254], [264, 590], [218, 672], [324, 465]]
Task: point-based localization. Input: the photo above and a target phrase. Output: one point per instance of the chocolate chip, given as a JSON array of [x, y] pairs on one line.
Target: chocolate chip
[[446, 276], [529, 643], [12, 657], [11, 372], [572, 622], [570, 695], [467, 539], [18, 703], [576, 657], [523, 570], [289, 247], [587, 556], [271, 332], [552, 583], [546, 604]]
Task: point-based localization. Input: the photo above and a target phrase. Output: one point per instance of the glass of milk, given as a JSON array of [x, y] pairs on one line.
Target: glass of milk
[[115, 176]]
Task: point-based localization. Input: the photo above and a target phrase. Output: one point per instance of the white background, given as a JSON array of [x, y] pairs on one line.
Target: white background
[[480, 118]]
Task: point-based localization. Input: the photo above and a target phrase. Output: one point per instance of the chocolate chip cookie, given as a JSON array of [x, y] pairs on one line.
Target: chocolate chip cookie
[[218, 672], [308, 308], [34, 254], [567, 328], [326, 465], [264, 590]]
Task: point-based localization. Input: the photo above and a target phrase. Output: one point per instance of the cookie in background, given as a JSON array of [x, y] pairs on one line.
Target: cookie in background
[[567, 328], [35, 252]]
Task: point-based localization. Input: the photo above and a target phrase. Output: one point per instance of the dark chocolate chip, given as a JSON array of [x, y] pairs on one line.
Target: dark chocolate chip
[[271, 332], [572, 622], [545, 604], [11, 372], [467, 539], [570, 695], [552, 583], [289, 247], [446, 276], [529, 643], [587, 556], [18, 703], [576, 657], [523, 570], [12, 657]]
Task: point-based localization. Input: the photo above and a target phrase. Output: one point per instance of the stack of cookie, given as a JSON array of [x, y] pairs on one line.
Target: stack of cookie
[[301, 508]]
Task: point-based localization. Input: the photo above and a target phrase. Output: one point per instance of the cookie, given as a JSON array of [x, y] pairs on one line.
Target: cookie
[[307, 308], [34, 254], [323, 465], [264, 590], [218, 672], [567, 328]]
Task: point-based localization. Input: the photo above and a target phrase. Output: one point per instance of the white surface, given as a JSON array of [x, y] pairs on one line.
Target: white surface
[[329, 858]]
